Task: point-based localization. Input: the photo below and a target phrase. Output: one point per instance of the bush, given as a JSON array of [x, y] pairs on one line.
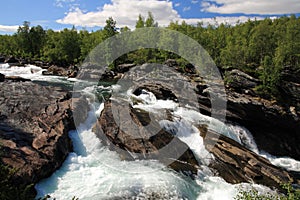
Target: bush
[[253, 194]]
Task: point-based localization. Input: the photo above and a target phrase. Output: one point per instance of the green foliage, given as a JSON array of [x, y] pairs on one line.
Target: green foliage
[[253, 194], [8, 190]]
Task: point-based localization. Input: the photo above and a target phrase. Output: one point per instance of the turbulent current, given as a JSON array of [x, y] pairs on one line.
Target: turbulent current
[[94, 172]]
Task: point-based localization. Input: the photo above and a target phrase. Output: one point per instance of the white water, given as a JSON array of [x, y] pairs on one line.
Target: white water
[[31, 72], [94, 172]]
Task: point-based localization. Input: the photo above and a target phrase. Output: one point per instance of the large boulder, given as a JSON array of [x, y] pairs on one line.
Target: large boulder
[[237, 164], [34, 125], [55, 71], [130, 134]]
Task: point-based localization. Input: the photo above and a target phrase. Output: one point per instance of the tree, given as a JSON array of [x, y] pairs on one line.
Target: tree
[[110, 28], [150, 21], [140, 22], [37, 37], [24, 42]]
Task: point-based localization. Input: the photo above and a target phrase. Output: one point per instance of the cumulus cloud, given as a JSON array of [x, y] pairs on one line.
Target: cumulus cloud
[[194, 1], [8, 29], [251, 7], [225, 20], [124, 12]]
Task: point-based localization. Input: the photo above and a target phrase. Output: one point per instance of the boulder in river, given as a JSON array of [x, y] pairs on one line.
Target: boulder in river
[[132, 138], [235, 163], [34, 125]]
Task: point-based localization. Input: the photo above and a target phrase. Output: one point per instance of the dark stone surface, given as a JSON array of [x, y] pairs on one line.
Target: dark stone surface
[[2, 77], [237, 164], [133, 136], [34, 125]]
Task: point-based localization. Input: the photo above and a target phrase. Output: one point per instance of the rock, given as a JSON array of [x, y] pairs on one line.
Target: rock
[[290, 85], [132, 138], [2, 59], [11, 59], [237, 164], [92, 72], [124, 68], [34, 126], [271, 125], [2, 77], [234, 162], [171, 63], [240, 81], [159, 90], [16, 79], [55, 71]]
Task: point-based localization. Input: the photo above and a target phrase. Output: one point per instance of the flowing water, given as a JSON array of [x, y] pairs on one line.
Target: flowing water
[[92, 171]]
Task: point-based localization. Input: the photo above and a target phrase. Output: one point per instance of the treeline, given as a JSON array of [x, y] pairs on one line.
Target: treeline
[[260, 48]]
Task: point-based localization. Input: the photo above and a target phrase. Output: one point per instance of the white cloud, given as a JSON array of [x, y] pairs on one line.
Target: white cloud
[[225, 20], [252, 7], [177, 4], [61, 3], [8, 29], [124, 12], [186, 8], [194, 1]]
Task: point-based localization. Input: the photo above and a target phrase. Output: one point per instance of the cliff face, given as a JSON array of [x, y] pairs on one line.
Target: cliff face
[[34, 125]]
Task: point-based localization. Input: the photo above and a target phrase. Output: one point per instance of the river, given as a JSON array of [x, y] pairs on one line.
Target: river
[[93, 172]]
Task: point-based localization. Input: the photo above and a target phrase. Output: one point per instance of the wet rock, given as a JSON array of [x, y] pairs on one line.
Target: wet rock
[[2, 59], [16, 79], [237, 164], [34, 126], [130, 133], [55, 71], [11, 59], [271, 125]]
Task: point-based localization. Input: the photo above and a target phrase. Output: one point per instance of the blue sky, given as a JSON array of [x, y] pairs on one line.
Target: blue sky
[[91, 14]]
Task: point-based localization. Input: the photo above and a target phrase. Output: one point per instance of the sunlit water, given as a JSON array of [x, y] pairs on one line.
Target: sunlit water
[[94, 172]]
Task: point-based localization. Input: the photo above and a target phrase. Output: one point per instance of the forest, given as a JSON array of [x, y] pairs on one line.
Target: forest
[[261, 48]]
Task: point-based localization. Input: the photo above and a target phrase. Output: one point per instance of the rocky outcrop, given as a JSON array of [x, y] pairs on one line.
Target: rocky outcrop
[[34, 125], [130, 134], [290, 84], [233, 162], [275, 128], [271, 124], [241, 82], [54, 70], [237, 164]]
